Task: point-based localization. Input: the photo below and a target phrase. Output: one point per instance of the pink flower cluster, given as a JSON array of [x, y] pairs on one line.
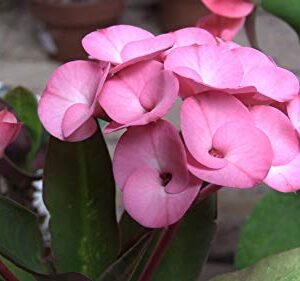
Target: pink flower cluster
[[239, 116], [227, 17], [9, 130]]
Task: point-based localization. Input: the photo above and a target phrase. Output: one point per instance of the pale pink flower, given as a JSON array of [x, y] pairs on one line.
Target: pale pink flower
[[284, 173], [230, 8], [69, 102], [293, 109], [123, 45], [9, 130], [264, 77], [206, 67], [223, 27], [150, 167], [225, 147], [138, 95]]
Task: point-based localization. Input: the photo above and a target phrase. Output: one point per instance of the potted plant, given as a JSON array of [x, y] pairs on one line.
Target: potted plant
[[63, 23], [177, 14]]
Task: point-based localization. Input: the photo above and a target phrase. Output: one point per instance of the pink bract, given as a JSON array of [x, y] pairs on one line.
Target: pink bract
[[151, 169], [223, 27], [69, 102], [283, 175], [293, 109], [123, 45], [230, 8], [138, 95], [225, 147], [9, 130], [205, 67]]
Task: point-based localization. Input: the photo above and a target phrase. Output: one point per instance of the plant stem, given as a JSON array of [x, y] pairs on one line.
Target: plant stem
[[208, 190], [6, 273], [14, 174], [250, 27], [167, 237], [159, 252]]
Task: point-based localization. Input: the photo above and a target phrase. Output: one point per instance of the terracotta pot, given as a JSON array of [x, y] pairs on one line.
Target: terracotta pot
[[177, 14], [62, 26]]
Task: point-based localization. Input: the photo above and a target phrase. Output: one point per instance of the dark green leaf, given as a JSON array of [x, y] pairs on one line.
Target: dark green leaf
[[19, 273], [288, 10], [25, 105], [130, 231], [273, 227], [188, 250], [124, 267], [281, 267], [62, 277], [79, 192], [20, 238]]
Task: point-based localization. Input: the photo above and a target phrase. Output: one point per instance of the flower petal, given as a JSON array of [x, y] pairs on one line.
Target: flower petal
[[78, 123], [201, 116], [248, 154], [293, 109], [153, 146], [278, 128], [230, 8], [150, 205], [72, 83], [217, 68], [273, 82], [285, 178], [107, 44]]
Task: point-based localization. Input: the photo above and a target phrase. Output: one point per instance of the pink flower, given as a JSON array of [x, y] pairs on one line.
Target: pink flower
[[293, 109], [138, 95], [150, 167], [264, 77], [190, 36], [123, 45], [225, 146], [9, 130], [284, 173], [230, 8], [69, 102], [223, 27], [206, 67]]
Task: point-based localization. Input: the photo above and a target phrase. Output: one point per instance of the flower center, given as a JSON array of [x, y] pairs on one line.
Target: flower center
[[216, 153], [165, 178]]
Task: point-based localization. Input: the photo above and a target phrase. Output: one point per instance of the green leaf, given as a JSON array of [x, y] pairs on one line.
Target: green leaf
[[124, 267], [19, 273], [288, 10], [79, 192], [62, 277], [25, 105], [189, 248], [273, 227], [130, 231], [20, 238], [281, 267]]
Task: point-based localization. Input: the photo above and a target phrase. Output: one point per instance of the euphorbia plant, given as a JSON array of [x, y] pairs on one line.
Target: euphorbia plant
[[238, 128]]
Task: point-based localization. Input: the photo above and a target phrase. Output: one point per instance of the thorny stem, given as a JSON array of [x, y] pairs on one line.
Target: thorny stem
[[167, 237], [6, 273]]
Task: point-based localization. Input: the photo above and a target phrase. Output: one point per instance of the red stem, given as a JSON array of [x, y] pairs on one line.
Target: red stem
[[167, 237], [208, 190], [6, 273], [159, 252]]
